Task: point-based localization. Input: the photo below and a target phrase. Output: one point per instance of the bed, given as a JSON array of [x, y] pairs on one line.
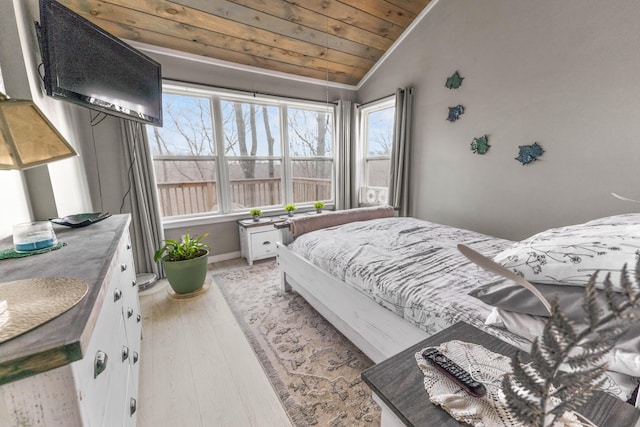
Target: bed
[[388, 282]]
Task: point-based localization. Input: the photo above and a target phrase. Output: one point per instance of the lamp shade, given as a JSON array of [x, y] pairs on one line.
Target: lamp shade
[[27, 138]]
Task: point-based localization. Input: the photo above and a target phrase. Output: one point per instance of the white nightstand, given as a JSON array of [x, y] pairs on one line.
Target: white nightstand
[[258, 238]]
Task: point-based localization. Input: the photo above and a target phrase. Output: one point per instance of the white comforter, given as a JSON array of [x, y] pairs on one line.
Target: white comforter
[[407, 265]]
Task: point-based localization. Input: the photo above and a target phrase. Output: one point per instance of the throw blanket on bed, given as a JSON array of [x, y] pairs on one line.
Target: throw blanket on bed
[[305, 224]]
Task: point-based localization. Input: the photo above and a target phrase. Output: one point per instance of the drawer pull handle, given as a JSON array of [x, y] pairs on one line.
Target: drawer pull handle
[[128, 246], [135, 357], [99, 363], [132, 406], [133, 284], [266, 243], [138, 318], [123, 267], [125, 353], [129, 312], [117, 294]]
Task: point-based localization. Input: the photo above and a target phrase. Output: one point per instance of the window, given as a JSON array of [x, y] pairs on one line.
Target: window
[[375, 141], [310, 150], [223, 152]]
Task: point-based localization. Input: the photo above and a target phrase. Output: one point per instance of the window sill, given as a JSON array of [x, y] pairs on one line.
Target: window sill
[[204, 219]]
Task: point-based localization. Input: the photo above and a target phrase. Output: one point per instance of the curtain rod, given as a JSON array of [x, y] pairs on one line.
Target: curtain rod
[[249, 92], [375, 100]]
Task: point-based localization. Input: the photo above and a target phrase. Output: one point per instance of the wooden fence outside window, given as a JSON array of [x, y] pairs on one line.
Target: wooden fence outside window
[[184, 198]]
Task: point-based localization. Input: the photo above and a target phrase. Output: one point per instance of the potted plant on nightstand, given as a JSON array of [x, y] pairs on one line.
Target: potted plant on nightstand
[[290, 208], [318, 206], [184, 262], [256, 214]]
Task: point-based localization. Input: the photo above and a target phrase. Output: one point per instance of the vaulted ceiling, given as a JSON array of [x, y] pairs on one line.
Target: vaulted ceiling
[[334, 40]]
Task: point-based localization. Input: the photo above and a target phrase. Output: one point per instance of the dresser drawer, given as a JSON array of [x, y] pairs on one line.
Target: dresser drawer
[[95, 372]]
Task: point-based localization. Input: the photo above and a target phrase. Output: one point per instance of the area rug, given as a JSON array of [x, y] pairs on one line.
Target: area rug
[[314, 369]]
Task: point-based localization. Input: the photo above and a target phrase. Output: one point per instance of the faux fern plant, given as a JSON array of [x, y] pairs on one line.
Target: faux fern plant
[[529, 389], [537, 391]]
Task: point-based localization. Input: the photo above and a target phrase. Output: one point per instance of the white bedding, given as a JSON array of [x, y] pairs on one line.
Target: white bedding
[[413, 268]]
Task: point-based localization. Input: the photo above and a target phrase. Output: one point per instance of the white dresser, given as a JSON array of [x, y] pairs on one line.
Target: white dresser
[[258, 238], [81, 368]]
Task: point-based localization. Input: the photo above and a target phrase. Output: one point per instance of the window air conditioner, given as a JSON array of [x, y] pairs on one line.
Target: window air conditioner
[[374, 195]]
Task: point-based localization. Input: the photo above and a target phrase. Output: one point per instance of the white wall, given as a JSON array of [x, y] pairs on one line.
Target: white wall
[[14, 203], [67, 177], [63, 184], [564, 74]]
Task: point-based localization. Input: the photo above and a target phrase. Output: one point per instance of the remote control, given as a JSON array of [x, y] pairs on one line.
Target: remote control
[[454, 372]]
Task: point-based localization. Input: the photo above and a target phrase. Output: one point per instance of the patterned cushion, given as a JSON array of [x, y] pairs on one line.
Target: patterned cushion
[[571, 255]]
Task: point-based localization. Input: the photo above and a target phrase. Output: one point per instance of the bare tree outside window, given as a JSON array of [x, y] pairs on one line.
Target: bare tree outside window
[[254, 159], [310, 149], [184, 161]]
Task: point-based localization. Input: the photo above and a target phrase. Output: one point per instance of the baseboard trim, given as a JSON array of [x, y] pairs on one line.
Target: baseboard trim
[[223, 257]]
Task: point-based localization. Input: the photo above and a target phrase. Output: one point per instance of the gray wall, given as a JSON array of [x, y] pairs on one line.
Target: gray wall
[[564, 74]]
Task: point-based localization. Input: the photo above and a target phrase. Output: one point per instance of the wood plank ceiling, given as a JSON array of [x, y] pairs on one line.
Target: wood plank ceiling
[[334, 40]]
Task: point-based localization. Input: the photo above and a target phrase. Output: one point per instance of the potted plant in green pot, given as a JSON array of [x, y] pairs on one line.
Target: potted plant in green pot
[[318, 206], [290, 208], [184, 262], [256, 214]]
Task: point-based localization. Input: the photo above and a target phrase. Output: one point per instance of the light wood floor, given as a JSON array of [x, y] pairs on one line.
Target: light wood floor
[[197, 368]]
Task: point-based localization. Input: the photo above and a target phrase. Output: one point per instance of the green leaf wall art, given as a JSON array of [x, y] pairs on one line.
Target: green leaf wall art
[[480, 145], [455, 81]]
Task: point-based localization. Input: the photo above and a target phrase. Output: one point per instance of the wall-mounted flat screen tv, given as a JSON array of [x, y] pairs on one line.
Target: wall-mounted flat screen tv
[[88, 66]]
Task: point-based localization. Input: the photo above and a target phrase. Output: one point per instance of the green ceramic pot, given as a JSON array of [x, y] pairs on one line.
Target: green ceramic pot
[[186, 276]]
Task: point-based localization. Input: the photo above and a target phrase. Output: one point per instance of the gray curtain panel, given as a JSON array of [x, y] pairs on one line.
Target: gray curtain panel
[[344, 160], [400, 153], [147, 233]]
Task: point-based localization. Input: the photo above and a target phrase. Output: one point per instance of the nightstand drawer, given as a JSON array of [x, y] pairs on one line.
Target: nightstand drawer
[[264, 243]]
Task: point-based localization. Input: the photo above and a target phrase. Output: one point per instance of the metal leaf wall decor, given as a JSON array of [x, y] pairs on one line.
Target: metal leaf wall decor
[[455, 81], [480, 145], [455, 113], [529, 153]]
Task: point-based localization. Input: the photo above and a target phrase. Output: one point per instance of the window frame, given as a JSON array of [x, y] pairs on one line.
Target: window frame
[[216, 96], [362, 141]]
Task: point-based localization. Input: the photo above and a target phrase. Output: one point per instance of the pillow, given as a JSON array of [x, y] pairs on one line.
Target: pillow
[[571, 255], [623, 358], [511, 296], [521, 312]]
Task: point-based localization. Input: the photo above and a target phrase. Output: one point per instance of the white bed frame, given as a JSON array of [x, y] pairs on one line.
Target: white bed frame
[[378, 332]]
